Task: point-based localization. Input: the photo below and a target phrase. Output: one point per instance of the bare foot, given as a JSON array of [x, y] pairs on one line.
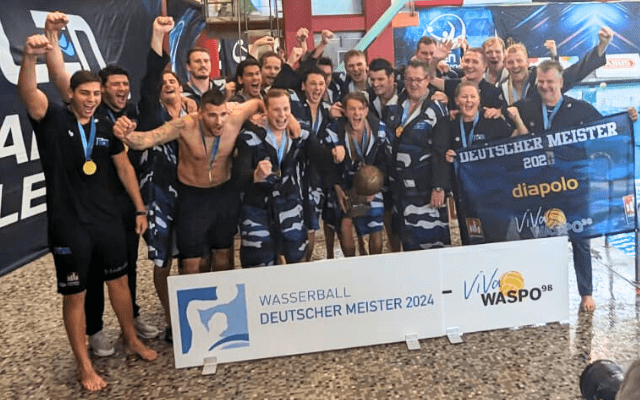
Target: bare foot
[[587, 304], [137, 347], [90, 380]]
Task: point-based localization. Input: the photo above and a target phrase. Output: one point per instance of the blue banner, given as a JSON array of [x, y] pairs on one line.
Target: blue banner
[[575, 181]]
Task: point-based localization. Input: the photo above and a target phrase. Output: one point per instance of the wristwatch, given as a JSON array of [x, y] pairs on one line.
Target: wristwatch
[[142, 212], [439, 189]]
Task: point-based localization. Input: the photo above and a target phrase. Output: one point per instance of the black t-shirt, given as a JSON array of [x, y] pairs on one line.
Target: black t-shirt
[[104, 112], [73, 196]]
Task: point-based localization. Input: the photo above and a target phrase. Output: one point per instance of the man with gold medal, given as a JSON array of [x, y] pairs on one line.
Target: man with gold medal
[[80, 157]]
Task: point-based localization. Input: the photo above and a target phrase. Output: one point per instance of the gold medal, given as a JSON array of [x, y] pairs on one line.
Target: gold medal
[[399, 131], [89, 167]]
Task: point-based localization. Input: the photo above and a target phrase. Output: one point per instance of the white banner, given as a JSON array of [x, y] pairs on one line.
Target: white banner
[[333, 304]]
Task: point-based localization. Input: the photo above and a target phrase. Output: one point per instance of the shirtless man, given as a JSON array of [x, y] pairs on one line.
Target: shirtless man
[[208, 203]]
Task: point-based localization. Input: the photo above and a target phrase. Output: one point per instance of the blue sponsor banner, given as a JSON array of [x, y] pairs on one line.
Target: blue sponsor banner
[[575, 181]]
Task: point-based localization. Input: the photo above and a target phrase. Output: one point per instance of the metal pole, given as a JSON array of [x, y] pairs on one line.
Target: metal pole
[[378, 27]]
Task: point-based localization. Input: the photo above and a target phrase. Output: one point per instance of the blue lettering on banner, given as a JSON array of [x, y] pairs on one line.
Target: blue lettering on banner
[[303, 296], [481, 284], [341, 310]]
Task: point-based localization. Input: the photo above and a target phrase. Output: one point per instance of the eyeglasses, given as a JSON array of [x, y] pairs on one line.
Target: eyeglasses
[[414, 80]]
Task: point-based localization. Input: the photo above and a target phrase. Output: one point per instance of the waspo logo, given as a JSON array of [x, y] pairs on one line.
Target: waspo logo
[[69, 43], [212, 318], [507, 288]]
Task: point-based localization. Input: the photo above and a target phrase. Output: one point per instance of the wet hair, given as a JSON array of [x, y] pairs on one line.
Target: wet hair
[[249, 61], [196, 49], [380, 64], [426, 40], [515, 47], [313, 70], [354, 53], [325, 61], [359, 96], [82, 77], [274, 94], [491, 41], [269, 54], [548, 65], [214, 97], [464, 84], [109, 70]]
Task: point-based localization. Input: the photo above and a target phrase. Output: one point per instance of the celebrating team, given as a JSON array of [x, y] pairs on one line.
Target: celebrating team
[[268, 155]]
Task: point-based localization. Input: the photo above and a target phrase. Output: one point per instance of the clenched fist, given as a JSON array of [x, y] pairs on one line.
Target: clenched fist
[[263, 170], [123, 127]]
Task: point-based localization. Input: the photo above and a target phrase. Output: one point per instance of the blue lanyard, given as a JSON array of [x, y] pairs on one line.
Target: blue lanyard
[[405, 113], [316, 124], [548, 119], [88, 146], [360, 150], [283, 144], [463, 134], [111, 116], [214, 149], [514, 92]]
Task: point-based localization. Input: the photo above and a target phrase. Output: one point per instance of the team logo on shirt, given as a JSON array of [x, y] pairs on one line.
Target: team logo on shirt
[[212, 319]]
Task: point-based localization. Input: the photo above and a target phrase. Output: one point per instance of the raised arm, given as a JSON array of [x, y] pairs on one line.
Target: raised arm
[[301, 37], [32, 97], [243, 112], [161, 26], [593, 60], [58, 74], [326, 36], [254, 49], [124, 130]]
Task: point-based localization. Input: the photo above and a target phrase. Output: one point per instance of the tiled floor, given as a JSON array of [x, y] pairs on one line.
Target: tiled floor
[[527, 363]]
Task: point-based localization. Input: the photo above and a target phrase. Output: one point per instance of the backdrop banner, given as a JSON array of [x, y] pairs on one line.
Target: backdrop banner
[[99, 33]]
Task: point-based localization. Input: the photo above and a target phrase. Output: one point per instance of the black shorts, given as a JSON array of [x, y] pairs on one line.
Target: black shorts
[[87, 251], [207, 219]]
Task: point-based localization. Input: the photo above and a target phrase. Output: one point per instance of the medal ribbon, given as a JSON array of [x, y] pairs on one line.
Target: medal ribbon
[[283, 144], [513, 94], [359, 150], [214, 148], [548, 119], [88, 145], [316, 124], [463, 134]]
